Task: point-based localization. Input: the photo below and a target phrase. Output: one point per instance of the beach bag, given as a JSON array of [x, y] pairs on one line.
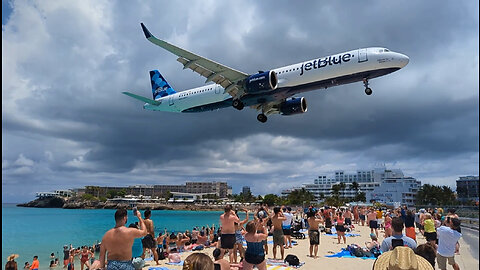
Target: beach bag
[[355, 250], [161, 254], [200, 247], [292, 260]]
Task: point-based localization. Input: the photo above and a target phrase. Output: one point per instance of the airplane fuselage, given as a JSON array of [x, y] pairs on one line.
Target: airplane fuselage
[[352, 66]]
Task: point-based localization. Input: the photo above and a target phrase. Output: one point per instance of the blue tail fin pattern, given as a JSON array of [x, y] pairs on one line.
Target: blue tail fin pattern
[[160, 87]]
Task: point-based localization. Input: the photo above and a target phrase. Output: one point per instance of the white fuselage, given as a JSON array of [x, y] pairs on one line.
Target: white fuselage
[[297, 75]]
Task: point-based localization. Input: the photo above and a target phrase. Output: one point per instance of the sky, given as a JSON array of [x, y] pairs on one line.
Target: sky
[[65, 123]]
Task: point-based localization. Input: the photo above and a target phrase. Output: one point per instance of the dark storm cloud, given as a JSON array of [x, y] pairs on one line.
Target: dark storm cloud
[[66, 124]]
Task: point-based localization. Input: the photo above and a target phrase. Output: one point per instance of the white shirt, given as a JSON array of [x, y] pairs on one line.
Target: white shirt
[[288, 220], [447, 239]]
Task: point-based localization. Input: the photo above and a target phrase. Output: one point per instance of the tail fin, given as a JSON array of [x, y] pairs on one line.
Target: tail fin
[[160, 87]]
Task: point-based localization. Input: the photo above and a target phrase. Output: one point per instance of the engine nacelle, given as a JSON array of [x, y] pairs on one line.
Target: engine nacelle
[[293, 106], [261, 82]]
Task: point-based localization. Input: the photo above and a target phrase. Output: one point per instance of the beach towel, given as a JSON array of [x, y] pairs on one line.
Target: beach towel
[[346, 254], [278, 267], [280, 263], [159, 268], [175, 263], [148, 259], [346, 235]]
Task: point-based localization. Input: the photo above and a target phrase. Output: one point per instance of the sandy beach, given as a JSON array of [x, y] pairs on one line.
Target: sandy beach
[[329, 246]]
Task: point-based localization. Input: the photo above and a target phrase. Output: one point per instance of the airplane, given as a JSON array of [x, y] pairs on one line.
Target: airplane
[[269, 92]]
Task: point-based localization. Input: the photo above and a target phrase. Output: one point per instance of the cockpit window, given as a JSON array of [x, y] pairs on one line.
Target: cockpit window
[[387, 50]]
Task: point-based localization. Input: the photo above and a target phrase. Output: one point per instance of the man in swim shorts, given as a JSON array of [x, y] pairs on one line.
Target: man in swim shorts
[[287, 226], [117, 242], [313, 234], [148, 242], [278, 237], [372, 221], [227, 221]]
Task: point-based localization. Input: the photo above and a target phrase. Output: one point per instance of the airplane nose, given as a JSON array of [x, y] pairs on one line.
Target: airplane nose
[[403, 59]]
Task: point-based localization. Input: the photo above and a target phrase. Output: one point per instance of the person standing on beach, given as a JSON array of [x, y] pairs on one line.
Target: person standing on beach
[[278, 239], [227, 221], [118, 242], [287, 227], [397, 238], [313, 233], [448, 237], [372, 221], [35, 264], [362, 215], [148, 242]]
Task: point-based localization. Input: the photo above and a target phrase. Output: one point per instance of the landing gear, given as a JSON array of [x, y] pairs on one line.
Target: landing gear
[[262, 118], [237, 104], [368, 90]]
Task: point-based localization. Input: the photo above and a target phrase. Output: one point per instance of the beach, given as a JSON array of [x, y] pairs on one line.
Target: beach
[[329, 246]]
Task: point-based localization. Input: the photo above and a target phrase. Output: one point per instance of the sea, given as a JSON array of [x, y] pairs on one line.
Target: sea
[[42, 231]]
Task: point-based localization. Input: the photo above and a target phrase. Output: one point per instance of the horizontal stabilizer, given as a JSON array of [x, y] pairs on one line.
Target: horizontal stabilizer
[[144, 99]]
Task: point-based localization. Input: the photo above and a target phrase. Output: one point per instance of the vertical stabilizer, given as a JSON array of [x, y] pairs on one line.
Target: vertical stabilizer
[[160, 87]]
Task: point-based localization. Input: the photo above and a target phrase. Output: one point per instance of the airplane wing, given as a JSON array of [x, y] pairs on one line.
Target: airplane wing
[[225, 76], [144, 99]]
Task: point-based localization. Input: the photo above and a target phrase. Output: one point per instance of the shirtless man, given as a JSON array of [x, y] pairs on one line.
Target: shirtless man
[[118, 242], [362, 215], [227, 221], [278, 238], [148, 242], [372, 221], [313, 220]]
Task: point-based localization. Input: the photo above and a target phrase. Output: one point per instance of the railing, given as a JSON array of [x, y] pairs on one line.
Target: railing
[[471, 223]]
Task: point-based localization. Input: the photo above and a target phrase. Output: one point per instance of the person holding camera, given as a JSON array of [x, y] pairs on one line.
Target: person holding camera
[[117, 242]]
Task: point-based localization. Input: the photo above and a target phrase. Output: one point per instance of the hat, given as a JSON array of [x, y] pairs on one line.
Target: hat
[[13, 257], [401, 258], [138, 263]]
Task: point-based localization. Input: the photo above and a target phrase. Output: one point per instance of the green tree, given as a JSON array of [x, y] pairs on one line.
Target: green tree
[[355, 186], [122, 193], [435, 195], [360, 197], [111, 194], [299, 196], [271, 199]]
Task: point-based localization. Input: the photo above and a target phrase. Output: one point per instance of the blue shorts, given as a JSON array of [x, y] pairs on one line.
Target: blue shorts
[[120, 265]]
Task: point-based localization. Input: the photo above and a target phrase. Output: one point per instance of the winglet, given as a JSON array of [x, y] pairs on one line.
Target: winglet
[[145, 31]]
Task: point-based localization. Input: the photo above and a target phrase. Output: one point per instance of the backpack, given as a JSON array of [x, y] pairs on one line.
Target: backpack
[[161, 254], [355, 250], [292, 260]]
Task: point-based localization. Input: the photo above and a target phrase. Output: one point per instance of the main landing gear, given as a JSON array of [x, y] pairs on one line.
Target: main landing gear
[[262, 118], [238, 104], [368, 90]]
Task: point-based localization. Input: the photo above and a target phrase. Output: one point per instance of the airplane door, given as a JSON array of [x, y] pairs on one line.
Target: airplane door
[[217, 89], [170, 101], [362, 55]]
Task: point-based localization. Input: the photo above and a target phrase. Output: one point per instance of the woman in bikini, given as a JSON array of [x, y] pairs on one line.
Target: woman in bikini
[[340, 227]]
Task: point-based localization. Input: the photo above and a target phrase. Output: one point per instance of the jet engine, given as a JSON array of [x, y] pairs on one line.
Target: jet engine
[[293, 106], [260, 82]]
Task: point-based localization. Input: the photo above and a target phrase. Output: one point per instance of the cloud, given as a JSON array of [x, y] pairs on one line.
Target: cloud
[[66, 124]]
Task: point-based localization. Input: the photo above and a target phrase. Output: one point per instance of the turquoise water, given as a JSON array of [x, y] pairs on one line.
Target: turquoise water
[[41, 231]]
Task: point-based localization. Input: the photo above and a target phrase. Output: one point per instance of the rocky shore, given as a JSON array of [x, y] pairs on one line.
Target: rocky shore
[[79, 203]]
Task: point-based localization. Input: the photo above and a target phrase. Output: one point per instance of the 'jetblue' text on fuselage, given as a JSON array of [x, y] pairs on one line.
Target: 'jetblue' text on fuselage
[[331, 60]]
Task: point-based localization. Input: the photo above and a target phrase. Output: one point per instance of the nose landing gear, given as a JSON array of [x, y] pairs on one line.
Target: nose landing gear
[[368, 90]]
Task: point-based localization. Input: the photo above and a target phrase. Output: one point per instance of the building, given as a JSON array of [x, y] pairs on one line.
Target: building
[[246, 190], [57, 193], [221, 189], [467, 188], [380, 184], [395, 189]]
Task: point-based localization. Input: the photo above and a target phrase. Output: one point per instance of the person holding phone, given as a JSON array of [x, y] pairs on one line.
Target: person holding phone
[[117, 242], [397, 238]]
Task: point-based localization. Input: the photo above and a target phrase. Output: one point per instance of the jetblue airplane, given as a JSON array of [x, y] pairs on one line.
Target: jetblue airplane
[[269, 92]]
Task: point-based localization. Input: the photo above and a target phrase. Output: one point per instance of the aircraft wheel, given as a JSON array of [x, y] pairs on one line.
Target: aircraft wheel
[[237, 104], [262, 118], [368, 91]]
